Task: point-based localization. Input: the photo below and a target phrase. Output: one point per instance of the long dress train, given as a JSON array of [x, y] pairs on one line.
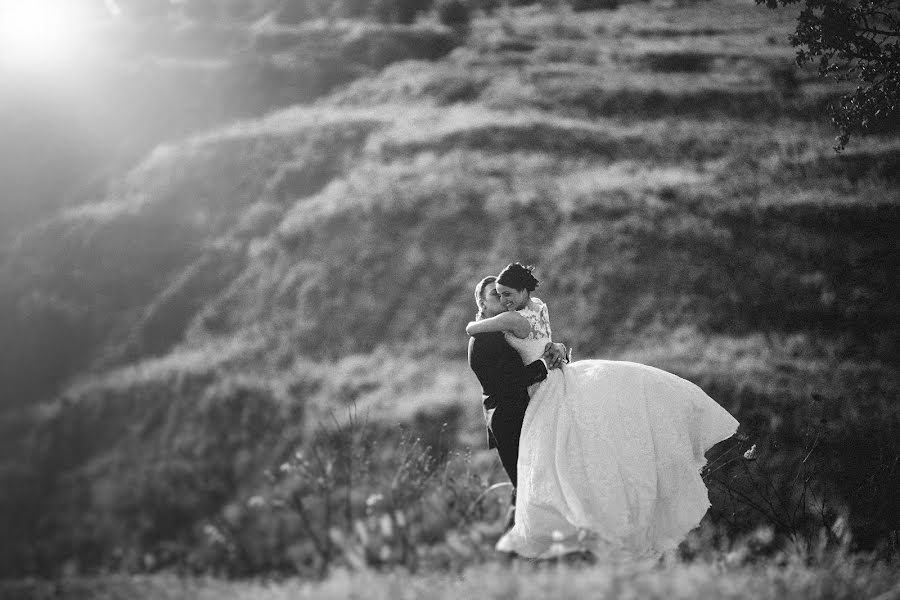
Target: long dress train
[[609, 456]]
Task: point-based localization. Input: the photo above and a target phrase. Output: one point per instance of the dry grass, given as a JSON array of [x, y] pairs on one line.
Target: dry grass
[[840, 581]]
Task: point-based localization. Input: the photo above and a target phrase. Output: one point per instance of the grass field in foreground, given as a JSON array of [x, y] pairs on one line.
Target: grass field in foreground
[[836, 579]]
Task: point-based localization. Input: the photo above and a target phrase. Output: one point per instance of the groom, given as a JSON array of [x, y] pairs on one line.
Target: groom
[[504, 379]]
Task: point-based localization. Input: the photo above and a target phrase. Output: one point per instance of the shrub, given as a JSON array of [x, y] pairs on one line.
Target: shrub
[[562, 52], [294, 13], [355, 9], [399, 11], [784, 79], [820, 486], [365, 495], [408, 10], [454, 89], [379, 47], [454, 13], [488, 7], [678, 62], [586, 5]]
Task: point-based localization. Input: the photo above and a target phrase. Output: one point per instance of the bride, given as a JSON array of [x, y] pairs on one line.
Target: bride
[[610, 452]]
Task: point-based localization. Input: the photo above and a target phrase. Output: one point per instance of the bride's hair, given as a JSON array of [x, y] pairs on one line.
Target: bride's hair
[[518, 277], [479, 295]]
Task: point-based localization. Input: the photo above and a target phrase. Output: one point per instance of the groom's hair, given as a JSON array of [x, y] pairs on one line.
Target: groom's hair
[[479, 293], [479, 289]]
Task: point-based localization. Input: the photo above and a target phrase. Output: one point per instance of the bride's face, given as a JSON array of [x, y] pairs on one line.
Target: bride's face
[[511, 298]]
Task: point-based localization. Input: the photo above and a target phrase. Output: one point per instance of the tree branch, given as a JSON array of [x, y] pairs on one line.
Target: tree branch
[[879, 31]]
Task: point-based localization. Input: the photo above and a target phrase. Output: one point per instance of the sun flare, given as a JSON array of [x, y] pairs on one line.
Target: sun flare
[[40, 33]]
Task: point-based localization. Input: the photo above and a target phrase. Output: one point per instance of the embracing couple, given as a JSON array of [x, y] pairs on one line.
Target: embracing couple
[[604, 456]]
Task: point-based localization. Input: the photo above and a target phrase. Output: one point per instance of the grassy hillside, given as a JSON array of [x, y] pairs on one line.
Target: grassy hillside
[[141, 84], [666, 168]]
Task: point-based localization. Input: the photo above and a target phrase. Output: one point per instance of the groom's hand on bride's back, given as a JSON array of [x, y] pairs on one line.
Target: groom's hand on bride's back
[[554, 354]]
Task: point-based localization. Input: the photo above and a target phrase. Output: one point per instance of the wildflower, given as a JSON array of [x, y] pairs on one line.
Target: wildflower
[[456, 543], [256, 502], [841, 529], [361, 532], [400, 518], [387, 528], [337, 536], [557, 548], [213, 534], [751, 454], [764, 535]]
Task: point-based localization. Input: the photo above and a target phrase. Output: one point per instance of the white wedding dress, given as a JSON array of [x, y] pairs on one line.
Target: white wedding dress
[[609, 456]]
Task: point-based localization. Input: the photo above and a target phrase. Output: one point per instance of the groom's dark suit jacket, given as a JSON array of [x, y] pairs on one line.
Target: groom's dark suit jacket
[[504, 382]]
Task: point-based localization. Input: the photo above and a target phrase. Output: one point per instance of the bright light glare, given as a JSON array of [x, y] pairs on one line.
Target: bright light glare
[[40, 33]]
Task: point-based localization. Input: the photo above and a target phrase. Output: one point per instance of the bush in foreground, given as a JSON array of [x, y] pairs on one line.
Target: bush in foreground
[[361, 496]]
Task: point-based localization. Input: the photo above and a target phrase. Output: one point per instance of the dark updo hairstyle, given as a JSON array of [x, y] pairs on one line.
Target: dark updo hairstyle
[[518, 277]]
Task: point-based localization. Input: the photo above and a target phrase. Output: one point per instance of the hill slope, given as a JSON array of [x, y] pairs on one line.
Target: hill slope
[[232, 287]]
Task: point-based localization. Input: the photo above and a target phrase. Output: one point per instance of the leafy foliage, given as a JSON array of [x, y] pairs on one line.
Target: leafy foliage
[[367, 497], [857, 41], [795, 479]]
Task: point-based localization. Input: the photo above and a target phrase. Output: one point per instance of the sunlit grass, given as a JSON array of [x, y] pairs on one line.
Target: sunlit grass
[[840, 581]]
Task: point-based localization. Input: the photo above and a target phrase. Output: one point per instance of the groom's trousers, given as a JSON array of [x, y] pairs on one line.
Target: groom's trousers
[[506, 427]]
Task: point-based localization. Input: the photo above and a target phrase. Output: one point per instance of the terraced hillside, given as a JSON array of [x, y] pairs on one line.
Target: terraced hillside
[[666, 168]]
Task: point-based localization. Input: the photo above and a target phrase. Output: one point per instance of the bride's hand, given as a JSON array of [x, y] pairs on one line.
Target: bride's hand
[[554, 354]]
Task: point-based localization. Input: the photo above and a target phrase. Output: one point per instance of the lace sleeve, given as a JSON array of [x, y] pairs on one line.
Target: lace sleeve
[[539, 319], [531, 347], [545, 321]]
